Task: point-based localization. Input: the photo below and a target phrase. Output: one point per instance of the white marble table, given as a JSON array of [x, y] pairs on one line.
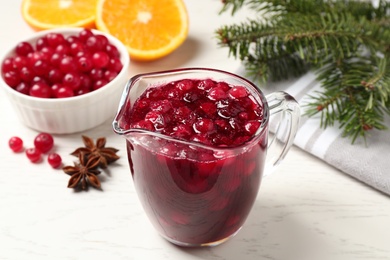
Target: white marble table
[[306, 210]]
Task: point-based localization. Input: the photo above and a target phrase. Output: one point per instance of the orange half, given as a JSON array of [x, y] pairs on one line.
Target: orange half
[[149, 29], [50, 14]]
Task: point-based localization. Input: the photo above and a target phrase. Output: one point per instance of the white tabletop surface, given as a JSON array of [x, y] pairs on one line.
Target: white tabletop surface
[[306, 210]]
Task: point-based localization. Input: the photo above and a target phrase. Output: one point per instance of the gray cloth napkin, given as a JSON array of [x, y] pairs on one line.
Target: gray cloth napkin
[[368, 162]]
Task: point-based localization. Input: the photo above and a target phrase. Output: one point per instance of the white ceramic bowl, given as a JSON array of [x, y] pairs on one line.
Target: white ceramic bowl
[[73, 114]]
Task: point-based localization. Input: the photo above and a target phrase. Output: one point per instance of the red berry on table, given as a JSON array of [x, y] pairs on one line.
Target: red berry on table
[[33, 154], [54, 160], [15, 143], [44, 142]]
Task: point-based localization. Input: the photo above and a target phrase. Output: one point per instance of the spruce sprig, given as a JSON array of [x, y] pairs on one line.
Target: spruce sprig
[[346, 43]]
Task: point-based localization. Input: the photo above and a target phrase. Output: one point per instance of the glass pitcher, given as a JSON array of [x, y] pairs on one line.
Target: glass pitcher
[[196, 194]]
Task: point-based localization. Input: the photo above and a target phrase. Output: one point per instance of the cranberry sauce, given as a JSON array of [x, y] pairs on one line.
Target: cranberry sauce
[[196, 195]]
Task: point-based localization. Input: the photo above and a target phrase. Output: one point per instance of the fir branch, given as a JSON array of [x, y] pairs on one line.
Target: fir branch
[[355, 93], [347, 43]]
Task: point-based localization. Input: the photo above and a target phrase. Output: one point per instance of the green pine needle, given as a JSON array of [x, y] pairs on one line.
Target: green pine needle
[[346, 43]]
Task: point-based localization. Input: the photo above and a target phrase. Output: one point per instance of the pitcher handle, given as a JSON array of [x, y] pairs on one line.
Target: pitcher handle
[[283, 127]]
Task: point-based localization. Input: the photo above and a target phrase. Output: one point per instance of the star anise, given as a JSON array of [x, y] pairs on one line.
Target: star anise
[[84, 172], [105, 155]]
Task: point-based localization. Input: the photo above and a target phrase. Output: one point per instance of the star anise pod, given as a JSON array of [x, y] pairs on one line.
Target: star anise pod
[[106, 155], [84, 172]]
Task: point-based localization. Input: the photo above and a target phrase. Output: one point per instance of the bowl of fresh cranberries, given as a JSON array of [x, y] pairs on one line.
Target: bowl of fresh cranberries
[[65, 80]]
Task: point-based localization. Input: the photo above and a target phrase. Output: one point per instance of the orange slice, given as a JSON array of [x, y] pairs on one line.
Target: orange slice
[[44, 14], [150, 29]]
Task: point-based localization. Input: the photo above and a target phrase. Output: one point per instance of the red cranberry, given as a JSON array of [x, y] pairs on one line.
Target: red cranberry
[[76, 47], [86, 82], [204, 125], [41, 68], [251, 127], [182, 131], [41, 42], [68, 64], [15, 143], [206, 84], [26, 74], [115, 64], [7, 65], [156, 118], [238, 92], [54, 160], [103, 40], [44, 142], [100, 59], [72, 79], [48, 51], [84, 64], [23, 88], [185, 85], [23, 48], [217, 93], [99, 84], [94, 43], [33, 154], [55, 75], [20, 62], [64, 92], [208, 107], [161, 106], [110, 75], [72, 39], [54, 89], [55, 39], [96, 74], [41, 90], [55, 59], [85, 34], [112, 51], [11, 78], [63, 49]]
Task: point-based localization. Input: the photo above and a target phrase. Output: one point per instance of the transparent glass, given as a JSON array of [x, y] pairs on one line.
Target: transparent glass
[[203, 200]]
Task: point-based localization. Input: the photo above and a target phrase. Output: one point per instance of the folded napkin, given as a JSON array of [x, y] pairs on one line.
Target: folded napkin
[[368, 162]]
